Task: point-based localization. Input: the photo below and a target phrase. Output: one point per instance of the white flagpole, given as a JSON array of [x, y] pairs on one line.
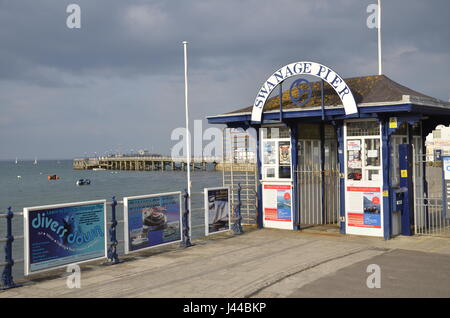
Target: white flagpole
[[380, 71], [188, 135]]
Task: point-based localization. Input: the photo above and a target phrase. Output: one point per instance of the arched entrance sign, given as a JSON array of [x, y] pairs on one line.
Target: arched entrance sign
[[304, 68]]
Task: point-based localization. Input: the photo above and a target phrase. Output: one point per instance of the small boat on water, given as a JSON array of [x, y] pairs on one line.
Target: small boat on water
[[53, 177], [81, 182], [35, 161], [98, 169]]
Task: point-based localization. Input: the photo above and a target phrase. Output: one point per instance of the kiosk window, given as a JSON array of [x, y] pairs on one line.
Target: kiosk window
[[354, 163], [363, 146], [276, 153], [372, 152], [363, 128], [276, 132], [269, 153], [373, 175], [284, 160], [270, 172]]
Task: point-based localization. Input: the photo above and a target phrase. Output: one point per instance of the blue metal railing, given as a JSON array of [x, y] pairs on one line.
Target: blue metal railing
[[186, 242], [237, 226], [112, 250], [7, 280]]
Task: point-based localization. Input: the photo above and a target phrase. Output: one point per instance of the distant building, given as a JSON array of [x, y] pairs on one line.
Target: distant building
[[438, 143], [143, 152]]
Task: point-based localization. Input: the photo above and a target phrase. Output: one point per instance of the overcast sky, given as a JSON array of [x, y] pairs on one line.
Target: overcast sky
[[117, 83]]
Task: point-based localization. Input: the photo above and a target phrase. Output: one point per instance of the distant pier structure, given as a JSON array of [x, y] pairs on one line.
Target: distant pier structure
[[145, 163]]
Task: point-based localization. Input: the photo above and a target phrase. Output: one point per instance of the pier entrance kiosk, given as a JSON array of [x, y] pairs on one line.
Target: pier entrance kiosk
[[339, 152]]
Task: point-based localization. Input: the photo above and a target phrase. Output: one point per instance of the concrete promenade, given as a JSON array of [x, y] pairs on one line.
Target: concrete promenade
[[265, 263]]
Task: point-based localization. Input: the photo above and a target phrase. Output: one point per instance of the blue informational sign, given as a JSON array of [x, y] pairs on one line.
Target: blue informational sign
[[152, 220], [58, 235], [446, 186]]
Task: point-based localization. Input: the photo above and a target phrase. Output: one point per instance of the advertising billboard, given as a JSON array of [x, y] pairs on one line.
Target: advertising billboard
[[63, 234], [217, 210], [152, 220]]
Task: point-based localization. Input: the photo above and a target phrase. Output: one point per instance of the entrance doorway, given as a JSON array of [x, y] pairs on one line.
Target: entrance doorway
[[317, 176]]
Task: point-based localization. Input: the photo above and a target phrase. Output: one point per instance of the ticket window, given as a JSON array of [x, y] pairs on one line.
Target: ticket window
[[363, 147], [364, 178], [276, 178], [276, 154]]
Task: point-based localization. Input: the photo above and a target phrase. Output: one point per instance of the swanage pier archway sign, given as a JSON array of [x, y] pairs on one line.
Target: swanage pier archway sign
[[304, 68]]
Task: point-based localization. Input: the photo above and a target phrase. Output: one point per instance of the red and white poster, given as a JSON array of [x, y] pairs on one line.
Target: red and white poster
[[277, 205], [364, 207]]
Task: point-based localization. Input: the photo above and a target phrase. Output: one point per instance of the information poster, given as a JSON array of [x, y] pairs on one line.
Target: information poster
[[364, 207], [269, 153], [354, 155], [285, 153], [446, 187], [354, 145], [217, 210], [277, 202], [152, 220], [58, 235]]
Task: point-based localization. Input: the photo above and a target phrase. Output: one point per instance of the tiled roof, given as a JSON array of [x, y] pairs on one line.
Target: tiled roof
[[366, 89]]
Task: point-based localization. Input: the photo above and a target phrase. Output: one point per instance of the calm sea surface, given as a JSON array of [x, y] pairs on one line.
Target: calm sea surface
[[26, 185]]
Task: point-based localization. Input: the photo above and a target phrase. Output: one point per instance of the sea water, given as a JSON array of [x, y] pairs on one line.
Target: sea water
[[25, 184]]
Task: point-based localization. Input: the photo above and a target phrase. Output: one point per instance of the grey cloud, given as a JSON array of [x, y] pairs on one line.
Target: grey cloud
[[123, 71]]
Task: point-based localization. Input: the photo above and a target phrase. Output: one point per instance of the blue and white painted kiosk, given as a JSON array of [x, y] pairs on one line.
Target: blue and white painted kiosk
[[338, 150]]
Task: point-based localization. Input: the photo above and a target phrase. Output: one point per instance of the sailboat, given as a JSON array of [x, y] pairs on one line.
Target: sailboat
[[35, 161], [17, 161]]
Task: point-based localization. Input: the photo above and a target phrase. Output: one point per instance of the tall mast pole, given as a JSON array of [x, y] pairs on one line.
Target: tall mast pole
[[188, 135], [380, 71]]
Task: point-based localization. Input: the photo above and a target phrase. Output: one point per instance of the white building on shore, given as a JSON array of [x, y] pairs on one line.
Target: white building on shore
[[438, 143]]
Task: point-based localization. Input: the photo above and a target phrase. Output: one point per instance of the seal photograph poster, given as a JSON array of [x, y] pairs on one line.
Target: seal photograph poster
[[217, 210], [152, 220], [58, 235]]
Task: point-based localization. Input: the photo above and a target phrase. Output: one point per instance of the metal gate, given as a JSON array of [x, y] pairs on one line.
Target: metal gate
[[318, 190], [428, 207], [239, 169]]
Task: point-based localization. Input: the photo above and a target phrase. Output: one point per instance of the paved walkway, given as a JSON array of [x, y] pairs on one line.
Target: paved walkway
[[260, 263]]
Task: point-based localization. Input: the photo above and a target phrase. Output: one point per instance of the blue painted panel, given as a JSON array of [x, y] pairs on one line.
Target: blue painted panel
[[387, 209], [340, 135]]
